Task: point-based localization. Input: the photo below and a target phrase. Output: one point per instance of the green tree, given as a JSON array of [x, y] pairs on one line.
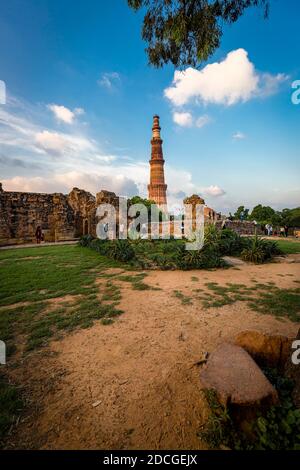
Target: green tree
[[187, 32], [291, 217], [147, 203], [140, 200], [262, 214], [241, 212]]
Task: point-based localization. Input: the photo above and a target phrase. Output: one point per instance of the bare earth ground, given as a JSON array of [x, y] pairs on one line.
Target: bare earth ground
[[135, 384]]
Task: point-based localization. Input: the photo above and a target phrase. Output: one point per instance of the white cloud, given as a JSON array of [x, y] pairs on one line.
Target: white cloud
[[64, 182], [64, 144], [239, 136], [203, 121], [21, 136], [30, 184], [183, 119], [228, 82], [214, 191], [64, 114], [270, 84], [109, 80], [51, 141]]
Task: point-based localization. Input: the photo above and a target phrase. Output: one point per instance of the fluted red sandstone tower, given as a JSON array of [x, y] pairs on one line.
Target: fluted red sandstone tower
[[157, 187]]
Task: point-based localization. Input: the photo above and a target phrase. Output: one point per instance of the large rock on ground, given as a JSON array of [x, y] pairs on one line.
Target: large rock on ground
[[267, 350], [292, 371], [237, 379]]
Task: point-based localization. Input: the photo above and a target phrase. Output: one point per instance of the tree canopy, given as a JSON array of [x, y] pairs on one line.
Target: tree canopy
[[241, 213], [262, 213], [187, 32], [150, 205], [267, 215]]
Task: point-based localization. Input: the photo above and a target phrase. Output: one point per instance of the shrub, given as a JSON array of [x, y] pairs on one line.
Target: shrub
[[259, 250], [86, 240], [205, 258], [212, 236], [120, 250], [231, 243]]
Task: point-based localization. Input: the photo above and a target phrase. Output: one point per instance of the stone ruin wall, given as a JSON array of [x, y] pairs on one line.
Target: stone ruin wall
[[61, 217], [242, 227]]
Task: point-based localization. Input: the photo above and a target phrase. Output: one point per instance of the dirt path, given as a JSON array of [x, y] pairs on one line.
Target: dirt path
[[134, 384]]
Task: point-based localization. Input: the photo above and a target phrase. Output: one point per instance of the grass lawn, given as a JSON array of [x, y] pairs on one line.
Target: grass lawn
[[289, 246], [31, 277]]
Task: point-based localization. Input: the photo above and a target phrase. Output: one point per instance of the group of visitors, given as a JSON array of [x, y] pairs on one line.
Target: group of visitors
[[283, 232], [268, 230]]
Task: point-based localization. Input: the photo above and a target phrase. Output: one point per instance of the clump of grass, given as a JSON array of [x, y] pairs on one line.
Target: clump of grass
[[283, 303], [133, 278], [185, 300], [219, 429], [10, 406], [263, 298], [112, 293], [141, 286], [136, 281], [107, 321]]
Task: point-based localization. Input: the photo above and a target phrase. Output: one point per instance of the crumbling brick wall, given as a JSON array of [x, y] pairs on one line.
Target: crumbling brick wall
[[21, 213], [242, 227], [61, 217]]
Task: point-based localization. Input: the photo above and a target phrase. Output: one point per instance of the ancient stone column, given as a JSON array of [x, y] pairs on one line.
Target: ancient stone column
[[157, 187]]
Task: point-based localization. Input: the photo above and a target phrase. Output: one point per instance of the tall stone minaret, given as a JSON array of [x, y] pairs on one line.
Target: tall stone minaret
[[157, 187]]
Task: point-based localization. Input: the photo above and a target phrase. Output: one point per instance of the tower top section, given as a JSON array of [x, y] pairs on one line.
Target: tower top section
[[156, 127]]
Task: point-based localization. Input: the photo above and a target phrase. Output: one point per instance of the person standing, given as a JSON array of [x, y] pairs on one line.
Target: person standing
[[286, 231], [38, 234]]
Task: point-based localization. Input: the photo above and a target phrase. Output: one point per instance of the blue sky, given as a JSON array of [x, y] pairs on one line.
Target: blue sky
[[80, 101]]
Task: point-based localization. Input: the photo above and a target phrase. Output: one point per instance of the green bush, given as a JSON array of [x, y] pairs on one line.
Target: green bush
[[86, 240], [231, 243], [258, 250], [170, 254], [205, 258], [212, 237], [121, 250]]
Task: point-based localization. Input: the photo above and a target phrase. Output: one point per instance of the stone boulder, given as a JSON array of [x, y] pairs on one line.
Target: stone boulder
[[266, 350], [237, 379], [292, 371]]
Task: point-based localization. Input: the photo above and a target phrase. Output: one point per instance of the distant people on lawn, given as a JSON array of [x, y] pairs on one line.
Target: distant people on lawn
[[269, 230], [286, 231], [39, 234]]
